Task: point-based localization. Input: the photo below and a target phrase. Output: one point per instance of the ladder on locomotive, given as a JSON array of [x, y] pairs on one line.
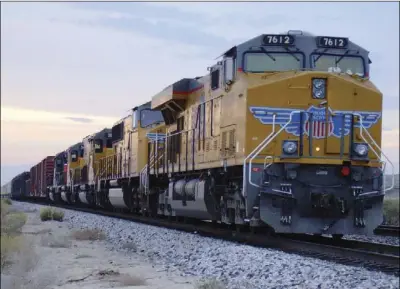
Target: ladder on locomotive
[[145, 172]]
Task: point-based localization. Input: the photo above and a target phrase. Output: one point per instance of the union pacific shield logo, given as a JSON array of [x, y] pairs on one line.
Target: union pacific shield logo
[[338, 122]]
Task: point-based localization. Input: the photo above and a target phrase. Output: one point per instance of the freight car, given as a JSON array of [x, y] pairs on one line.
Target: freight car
[[18, 186], [284, 133], [41, 176]]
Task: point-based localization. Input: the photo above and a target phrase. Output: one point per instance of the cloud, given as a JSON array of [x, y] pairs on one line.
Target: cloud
[[67, 63], [42, 133], [80, 119], [84, 67]]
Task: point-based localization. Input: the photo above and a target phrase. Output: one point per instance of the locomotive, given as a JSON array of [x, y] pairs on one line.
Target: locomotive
[[283, 132]]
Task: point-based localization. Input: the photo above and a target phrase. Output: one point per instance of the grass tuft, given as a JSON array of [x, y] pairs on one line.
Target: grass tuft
[[11, 239], [7, 201], [391, 211], [9, 246], [211, 283], [48, 214], [12, 223], [89, 235]]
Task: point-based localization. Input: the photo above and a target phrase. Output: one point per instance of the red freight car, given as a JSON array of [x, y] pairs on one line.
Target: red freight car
[[42, 176], [47, 173], [33, 181]]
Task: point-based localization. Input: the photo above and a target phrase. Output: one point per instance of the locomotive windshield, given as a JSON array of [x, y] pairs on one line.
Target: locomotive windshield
[[149, 117], [272, 61], [322, 62]]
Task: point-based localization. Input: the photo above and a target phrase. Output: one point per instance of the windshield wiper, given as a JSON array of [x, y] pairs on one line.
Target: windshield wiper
[[292, 53], [341, 57], [319, 56], [269, 55]]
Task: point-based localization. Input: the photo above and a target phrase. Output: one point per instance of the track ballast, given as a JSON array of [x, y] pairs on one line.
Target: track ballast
[[373, 256]]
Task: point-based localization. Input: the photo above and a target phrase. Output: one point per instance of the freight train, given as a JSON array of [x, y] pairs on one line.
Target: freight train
[[283, 132]]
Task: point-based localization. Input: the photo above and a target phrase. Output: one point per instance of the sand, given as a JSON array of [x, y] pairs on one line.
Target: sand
[[53, 258]]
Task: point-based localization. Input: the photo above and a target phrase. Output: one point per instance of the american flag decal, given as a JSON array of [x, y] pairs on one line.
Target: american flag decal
[[320, 125], [318, 129], [338, 122]]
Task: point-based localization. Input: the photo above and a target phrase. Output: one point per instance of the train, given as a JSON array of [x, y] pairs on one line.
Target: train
[[283, 132]]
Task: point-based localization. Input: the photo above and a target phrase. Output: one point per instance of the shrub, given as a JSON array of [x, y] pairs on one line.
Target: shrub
[[9, 245], [58, 215], [11, 240], [391, 211], [13, 223], [89, 235], [47, 214], [7, 201], [4, 209], [210, 284]]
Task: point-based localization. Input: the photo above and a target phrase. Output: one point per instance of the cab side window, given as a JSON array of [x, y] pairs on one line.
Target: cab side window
[[215, 79], [98, 146], [74, 156]]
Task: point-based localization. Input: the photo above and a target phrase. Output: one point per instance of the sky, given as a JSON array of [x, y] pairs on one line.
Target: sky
[[70, 69]]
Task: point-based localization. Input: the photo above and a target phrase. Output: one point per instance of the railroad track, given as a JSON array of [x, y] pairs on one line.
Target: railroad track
[[373, 256], [386, 230]]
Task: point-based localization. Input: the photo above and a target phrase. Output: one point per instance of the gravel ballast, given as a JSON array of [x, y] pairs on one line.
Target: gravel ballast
[[241, 266]]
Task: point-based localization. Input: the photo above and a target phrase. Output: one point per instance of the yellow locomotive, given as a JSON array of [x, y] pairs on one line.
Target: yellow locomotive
[[284, 132]]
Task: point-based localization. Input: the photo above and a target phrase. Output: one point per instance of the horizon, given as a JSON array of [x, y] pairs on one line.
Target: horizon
[[71, 69]]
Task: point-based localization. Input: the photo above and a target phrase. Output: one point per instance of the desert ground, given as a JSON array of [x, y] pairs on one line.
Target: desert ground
[[50, 255]]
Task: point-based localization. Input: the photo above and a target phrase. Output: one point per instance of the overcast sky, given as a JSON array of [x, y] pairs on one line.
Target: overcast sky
[[69, 69]]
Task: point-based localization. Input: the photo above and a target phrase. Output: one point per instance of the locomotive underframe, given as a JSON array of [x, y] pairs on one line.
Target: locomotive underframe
[[314, 199], [318, 199]]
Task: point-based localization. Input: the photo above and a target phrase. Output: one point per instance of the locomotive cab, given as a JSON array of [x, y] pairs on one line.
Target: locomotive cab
[[123, 174], [311, 134], [59, 176], [96, 146], [75, 163]]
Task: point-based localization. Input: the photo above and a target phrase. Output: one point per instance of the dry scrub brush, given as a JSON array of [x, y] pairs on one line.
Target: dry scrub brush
[[122, 279], [89, 235], [11, 239], [48, 214], [211, 283], [391, 211], [7, 201]]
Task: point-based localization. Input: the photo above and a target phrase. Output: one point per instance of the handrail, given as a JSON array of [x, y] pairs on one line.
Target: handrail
[[268, 142], [261, 146], [265, 161], [379, 157], [245, 160]]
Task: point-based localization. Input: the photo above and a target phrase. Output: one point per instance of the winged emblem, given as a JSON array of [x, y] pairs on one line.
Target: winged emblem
[[160, 137], [338, 121]]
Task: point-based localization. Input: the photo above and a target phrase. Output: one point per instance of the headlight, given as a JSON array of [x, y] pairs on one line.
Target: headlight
[[289, 147], [318, 88], [361, 149]]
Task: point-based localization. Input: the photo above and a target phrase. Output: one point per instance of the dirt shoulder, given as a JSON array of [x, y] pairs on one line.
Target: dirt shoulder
[[52, 257]]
